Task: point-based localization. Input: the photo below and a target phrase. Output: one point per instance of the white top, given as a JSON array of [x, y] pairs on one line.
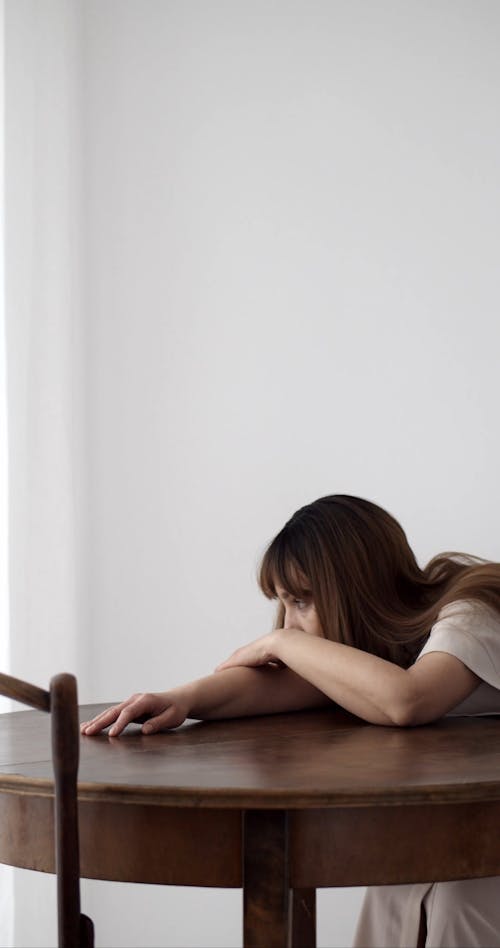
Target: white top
[[470, 630]]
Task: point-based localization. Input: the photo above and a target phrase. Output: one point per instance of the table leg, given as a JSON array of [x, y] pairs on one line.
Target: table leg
[[303, 918], [266, 889]]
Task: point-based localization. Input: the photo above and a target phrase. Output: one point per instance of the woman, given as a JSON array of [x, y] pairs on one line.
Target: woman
[[360, 624]]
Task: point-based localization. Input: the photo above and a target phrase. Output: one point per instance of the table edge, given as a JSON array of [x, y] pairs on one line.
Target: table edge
[[242, 798]]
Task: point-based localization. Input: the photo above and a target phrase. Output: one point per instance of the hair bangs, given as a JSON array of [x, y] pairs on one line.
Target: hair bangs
[[280, 568]]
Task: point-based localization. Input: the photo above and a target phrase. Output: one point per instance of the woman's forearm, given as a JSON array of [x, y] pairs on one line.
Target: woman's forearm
[[373, 688], [232, 693], [364, 684], [238, 692]]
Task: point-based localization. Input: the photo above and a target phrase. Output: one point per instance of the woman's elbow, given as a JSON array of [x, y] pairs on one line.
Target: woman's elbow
[[409, 712]]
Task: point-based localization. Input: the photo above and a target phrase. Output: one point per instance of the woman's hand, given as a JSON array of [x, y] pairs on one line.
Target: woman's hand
[[262, 651], [159, 711]]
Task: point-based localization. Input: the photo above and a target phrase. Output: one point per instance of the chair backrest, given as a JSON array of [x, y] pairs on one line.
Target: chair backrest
[[75, 930]]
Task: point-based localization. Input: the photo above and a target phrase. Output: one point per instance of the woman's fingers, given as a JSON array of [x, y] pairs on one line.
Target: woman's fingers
[[143, 706], [259, 652], [173, 716], [101, 720], [235, 659], [158, 712], [120, 715], [125, 717]]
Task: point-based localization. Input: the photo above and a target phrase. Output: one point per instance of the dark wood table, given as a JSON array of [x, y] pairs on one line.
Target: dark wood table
[[277, 805]]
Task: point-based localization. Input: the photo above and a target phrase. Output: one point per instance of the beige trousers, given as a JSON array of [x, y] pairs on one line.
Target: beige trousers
[[463, 914]]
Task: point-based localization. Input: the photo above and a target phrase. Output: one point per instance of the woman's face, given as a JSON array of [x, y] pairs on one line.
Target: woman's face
[[299, 613]]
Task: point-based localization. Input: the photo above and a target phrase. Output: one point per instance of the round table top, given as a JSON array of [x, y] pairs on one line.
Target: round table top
[[305, 759]]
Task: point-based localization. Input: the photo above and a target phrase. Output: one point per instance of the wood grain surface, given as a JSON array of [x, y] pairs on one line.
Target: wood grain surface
[[300, 760], [278, 805]]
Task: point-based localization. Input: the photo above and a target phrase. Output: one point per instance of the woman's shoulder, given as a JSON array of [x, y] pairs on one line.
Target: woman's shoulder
[[466, 614], [470, 630]]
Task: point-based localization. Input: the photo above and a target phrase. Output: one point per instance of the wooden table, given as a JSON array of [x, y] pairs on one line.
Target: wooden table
[[279, 805]]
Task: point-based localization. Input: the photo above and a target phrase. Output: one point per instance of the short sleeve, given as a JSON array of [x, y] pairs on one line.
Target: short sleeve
[[470, 630]]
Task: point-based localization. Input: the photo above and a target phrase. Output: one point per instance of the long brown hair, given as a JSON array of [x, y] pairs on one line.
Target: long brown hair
[[353, 559]]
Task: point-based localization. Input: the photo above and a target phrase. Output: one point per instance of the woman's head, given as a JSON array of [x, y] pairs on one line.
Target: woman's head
[[352, 560], [348, 555]]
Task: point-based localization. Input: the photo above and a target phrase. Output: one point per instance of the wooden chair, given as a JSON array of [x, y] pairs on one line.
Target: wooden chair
[[74, 929]]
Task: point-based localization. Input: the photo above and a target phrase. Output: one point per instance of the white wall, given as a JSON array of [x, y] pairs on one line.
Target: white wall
[[292, 224], [44, 334], [6, 874], [43, 328], [290, 227]]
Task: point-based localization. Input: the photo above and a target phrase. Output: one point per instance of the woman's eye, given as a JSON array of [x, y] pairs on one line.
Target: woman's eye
[[300, 603]]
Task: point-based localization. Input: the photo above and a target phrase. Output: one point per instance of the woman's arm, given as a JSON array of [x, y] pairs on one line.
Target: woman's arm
[[237, 692], [371, 687]]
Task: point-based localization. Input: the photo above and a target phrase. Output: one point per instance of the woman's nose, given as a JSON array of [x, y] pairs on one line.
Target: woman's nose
[[290, 619]]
